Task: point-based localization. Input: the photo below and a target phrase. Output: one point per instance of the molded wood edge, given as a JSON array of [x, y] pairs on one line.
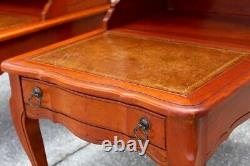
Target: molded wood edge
[[84, 131]]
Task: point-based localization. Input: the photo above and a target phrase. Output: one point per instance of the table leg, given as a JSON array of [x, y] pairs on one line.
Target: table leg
[[187, 141], [27, 129]]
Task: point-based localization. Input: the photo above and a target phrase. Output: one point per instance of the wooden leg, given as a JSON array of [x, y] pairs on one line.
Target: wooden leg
[[187, 141], [27, 129]]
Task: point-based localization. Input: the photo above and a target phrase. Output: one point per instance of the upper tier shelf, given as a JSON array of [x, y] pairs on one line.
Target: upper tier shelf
[[8, 21], [15, 15], [218, 30], [18, 18]]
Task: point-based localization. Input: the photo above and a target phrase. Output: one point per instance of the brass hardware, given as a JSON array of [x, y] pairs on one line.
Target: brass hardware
[[144, 126], [36, 94]]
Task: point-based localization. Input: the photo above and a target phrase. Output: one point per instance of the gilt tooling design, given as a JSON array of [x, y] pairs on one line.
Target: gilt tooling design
[[11, 21], [162, 64]]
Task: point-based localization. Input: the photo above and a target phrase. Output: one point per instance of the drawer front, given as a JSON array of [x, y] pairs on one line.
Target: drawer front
[[99, 112]]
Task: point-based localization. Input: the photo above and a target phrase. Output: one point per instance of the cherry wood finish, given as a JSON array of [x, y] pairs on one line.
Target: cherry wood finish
[[69, 6], [26, 7], [217, 30], [90, 108], [222, 7], [137, 9], [45, 37], [186, 128], [27, 129], [26, 25]]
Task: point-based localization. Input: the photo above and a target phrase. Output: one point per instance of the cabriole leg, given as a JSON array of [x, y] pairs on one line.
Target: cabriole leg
[[27, 129]]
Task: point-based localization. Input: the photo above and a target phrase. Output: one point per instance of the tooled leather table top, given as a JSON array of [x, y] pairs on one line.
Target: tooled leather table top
[[10, 21], [161, 64]]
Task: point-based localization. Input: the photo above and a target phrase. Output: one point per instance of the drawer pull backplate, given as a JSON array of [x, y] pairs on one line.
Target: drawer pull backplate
[[35, 99]]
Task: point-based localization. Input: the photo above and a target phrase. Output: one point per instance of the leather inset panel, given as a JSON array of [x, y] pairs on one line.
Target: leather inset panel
[[161, 64]]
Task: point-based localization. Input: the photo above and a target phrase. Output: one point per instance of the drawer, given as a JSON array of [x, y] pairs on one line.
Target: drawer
[[103, 113]]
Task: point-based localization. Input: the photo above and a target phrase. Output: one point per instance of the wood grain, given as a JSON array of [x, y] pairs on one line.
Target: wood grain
[[117, 116]]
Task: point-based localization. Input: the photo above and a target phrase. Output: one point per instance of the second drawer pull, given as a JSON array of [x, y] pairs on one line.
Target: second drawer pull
[[143, 126]]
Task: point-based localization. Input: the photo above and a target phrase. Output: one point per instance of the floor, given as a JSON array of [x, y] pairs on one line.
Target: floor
[[65, 149]]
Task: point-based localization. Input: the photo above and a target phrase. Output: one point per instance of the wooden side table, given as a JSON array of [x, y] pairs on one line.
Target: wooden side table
[[101, 84]]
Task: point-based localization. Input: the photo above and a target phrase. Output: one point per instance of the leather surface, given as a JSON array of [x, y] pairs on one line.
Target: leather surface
[[175, 67], [11, 21]]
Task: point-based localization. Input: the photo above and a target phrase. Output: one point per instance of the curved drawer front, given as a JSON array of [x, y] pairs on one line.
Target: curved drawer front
[[99, 112]]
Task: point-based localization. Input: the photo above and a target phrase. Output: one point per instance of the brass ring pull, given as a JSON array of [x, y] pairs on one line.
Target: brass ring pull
[[36, 94], [143, 125]]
